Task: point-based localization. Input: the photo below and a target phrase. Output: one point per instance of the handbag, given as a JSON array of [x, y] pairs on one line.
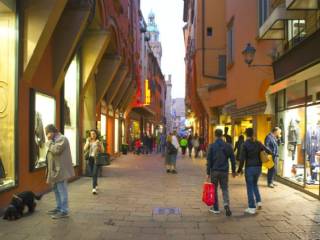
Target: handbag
[[208, 194], [269, 164], [264, 157], [102, 159]]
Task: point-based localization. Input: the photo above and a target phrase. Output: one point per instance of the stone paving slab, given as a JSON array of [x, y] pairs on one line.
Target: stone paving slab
[[133, 186]]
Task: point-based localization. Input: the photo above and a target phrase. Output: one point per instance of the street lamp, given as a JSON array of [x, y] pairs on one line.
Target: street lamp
[[249, 54]]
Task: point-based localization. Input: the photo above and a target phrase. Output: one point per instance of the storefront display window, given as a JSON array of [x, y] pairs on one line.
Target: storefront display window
[[312, 149], [71, 106], [103, 128], [116, 135], [299, 151], [42, 114], [291, 159], [8, 99]]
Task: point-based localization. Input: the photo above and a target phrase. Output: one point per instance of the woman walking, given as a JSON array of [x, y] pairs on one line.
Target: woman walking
[[250, 157], [91, 149], [170, 157], [190, 144]]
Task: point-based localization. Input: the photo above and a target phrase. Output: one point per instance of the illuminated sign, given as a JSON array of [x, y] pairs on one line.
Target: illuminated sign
[[147, 100]]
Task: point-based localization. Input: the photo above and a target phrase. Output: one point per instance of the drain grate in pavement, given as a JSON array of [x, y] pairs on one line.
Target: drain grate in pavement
[[166, 211]]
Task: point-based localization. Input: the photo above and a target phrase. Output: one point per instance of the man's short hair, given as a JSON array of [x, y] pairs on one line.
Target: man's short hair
[[275, 129], [218, 133], [249, 132], [51, 129]]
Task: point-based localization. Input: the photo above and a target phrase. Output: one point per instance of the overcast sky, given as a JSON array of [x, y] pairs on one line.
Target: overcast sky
[[168, 16]]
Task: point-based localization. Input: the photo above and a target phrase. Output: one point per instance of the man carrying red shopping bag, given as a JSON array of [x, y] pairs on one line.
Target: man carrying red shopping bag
[[218, 157], [208, 194]]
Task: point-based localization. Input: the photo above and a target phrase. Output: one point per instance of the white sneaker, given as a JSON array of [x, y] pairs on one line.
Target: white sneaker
[[214, 211], [94, 191], [250, 211], [259, 205]]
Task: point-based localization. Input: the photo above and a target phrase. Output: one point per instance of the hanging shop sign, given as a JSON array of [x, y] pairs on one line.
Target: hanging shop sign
[[147, 93]]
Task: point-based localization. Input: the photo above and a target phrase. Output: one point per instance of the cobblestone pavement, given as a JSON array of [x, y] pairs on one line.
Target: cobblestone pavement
[[134, 186]]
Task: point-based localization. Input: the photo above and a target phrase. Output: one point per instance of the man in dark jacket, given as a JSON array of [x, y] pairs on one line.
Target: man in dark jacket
[[218, 157], [271, 142]]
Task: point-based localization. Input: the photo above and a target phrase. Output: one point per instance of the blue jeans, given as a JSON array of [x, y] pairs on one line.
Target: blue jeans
[[252, 176], [94, 170], [272, 171], [61, 193]]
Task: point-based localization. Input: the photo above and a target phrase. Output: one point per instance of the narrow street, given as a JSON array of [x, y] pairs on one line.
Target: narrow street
[[132, 189]]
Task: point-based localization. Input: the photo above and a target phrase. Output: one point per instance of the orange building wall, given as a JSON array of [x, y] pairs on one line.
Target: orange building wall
[[246, 84]]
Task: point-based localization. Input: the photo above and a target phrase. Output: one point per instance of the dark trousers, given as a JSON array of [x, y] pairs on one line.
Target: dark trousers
[[252, 177], [272, 172], [190, 151], [220, 178], [94, 169], [183, 150]]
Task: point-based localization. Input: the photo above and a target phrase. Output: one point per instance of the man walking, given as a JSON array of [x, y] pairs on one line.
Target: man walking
[[218, 157], [59, 169], [271, 142]]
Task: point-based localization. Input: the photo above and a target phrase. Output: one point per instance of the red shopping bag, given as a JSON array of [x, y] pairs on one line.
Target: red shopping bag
[[208, 195]]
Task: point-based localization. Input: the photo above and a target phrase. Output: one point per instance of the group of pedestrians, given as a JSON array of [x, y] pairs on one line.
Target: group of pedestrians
[[149, 144], [60, 168], [196, 144], [248, 154]]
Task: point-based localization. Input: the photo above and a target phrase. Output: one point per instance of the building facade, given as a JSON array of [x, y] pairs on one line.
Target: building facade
[[179, 116], [147, 110], [71, 63], [168, 103], [294, 95], [278, 88], [153, 35]]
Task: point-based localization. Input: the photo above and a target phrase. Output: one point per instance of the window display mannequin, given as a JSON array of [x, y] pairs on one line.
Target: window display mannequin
[[39, 136], [67, 117], [312, 148], [293, 137], [2, 172]]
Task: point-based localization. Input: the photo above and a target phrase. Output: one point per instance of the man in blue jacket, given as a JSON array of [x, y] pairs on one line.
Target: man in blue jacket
[[218, 169], [271, 142]]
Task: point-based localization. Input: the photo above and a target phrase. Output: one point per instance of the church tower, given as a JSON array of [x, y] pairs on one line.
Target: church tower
[[154, 42]]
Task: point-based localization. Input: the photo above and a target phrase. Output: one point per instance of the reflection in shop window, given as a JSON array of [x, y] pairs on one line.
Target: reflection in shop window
[[43, 115], [8, 102], [71, 105]]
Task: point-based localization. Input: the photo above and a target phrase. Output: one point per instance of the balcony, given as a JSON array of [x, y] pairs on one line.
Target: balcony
[[274, 27], [302, 56], [302, 4]]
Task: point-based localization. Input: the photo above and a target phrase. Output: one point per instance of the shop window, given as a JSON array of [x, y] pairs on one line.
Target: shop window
[[222, 65], [116, 135], [42, 113], [71, 106], [314, 91], [312, 149], [8, 99], [291, 163], [295, 95]]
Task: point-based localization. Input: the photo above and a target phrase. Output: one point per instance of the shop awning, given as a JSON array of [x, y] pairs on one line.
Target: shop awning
[[302, 4], [144, 111], [309, 73], [274, 27]]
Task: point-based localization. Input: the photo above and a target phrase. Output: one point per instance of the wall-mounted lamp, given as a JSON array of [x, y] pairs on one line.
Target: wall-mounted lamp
[[249, 54]]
